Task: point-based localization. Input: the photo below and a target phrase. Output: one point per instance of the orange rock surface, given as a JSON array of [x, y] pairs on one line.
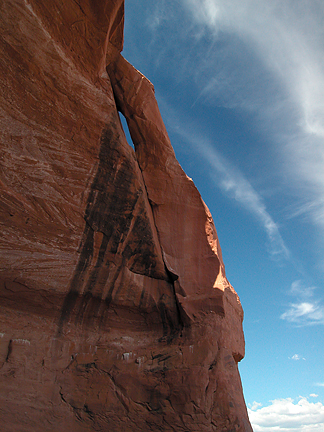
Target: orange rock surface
[[116, 314]]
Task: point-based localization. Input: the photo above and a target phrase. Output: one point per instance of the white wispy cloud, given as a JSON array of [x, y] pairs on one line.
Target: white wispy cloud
[[208, 12], [302, 290], [306, 310], [303, 314], [287, 415], [231, 181], [155, 19], [287, 39], [238, 187]]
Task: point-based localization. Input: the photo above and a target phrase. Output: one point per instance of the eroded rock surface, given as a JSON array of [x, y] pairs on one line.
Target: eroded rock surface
[[116, 313]]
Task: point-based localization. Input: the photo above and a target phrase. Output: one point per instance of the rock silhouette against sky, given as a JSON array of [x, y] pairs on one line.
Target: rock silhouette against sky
[[116, 313]]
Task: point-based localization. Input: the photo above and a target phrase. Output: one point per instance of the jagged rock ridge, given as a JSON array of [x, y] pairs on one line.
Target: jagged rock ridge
[[116, 313]]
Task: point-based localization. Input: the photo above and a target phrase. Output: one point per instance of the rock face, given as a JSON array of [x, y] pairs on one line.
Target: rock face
[[116, 314]]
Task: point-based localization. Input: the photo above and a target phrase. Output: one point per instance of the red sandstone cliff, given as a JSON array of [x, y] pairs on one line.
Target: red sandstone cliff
[[116, 314]]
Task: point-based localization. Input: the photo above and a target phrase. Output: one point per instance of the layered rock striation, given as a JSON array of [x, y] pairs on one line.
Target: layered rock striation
[[116, 313]]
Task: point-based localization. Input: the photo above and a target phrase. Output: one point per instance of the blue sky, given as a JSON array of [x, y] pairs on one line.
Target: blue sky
[[240, 86]]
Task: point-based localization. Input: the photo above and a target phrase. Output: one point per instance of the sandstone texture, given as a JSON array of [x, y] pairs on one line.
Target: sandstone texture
[[115, 310]]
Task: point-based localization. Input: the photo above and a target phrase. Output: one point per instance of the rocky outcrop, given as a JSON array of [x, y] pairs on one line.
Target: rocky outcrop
[[116, 313]]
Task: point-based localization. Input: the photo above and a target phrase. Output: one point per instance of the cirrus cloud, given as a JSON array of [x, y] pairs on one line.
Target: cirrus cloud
[[231, 181], [304, 314], [284, 43], [306, 310]]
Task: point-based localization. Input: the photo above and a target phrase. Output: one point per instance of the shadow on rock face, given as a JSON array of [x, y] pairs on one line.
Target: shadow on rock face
[[120, 261]]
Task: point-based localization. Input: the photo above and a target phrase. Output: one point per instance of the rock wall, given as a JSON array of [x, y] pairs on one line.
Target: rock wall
[[116, 313]]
